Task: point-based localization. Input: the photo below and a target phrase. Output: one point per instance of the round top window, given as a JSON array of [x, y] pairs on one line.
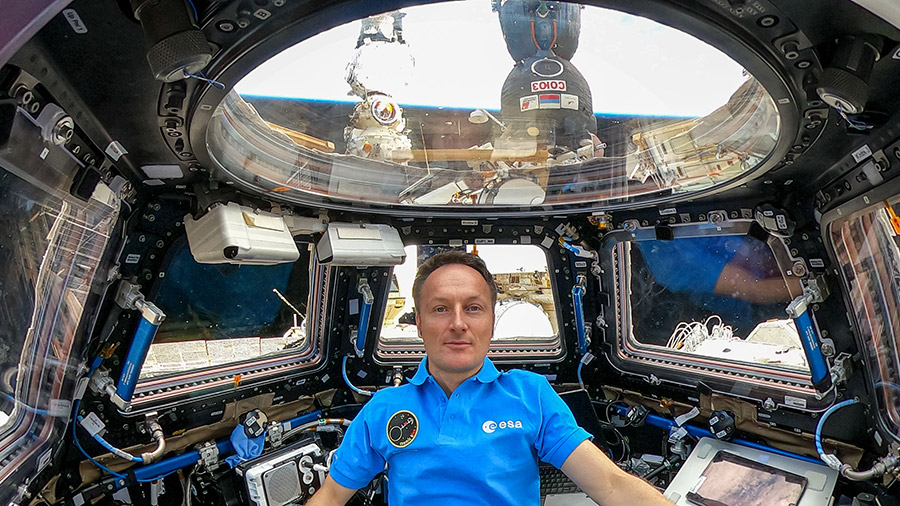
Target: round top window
[[484, 105]]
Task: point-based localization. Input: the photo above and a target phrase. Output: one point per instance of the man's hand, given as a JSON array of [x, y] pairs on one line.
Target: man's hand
[[331, 494], [605, 482]]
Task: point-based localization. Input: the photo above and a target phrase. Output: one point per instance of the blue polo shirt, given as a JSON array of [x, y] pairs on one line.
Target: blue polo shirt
[[479, 446]]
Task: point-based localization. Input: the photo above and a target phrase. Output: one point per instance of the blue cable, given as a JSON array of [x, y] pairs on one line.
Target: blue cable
[[893, 386], [200, 76], [580, 381], [78, 444], [821, 423], [98, 438], [194, 10], [28, 408], [347, 380]]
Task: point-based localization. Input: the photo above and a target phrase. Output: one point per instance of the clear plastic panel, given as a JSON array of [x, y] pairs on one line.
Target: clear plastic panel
[[454, 105], [868, 250], [50, 251]]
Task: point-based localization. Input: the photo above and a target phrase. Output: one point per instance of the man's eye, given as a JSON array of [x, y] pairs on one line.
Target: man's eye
[[439, 309], [474, 308]]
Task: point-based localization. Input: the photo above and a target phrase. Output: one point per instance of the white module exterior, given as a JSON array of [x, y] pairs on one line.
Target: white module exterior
[[261, 238], [363, 245]]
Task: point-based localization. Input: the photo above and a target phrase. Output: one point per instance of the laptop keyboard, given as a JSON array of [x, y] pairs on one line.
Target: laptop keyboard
[[554, 481]]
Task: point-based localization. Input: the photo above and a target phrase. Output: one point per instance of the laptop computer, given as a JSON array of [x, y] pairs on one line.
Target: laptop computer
[[556, 488]]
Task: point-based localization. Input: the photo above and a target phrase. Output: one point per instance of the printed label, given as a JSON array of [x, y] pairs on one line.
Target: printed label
[[484, 241], [74, 21], [60, 407], [794, 402], [548, 85], [580, 264], [92, 424], [115, 150], [862, 153], [816, 263], [569, 101], [133, 258], [681, 419], [528, 103]]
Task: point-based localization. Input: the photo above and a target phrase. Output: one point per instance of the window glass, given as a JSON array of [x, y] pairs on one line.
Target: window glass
[[525, 309], [868, 249], [222, 313], [716, 296], [533, 103]]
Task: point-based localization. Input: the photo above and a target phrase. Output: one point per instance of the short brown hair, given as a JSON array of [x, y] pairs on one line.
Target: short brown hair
[[449, 258]]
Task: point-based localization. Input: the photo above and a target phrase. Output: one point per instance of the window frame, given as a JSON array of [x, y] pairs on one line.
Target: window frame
[[656, 365], [541, 352], [170, 389]]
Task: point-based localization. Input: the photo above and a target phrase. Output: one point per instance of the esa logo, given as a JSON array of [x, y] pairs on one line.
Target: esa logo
[[490, 426]]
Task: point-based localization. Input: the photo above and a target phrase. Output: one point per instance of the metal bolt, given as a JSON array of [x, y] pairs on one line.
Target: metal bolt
[[767, 21], [769, 404], [803, 64], [63, 131], [790, 50]]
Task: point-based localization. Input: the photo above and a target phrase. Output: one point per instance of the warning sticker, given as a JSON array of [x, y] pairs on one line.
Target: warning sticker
[[548, 85], [569, 101], [528, 103]]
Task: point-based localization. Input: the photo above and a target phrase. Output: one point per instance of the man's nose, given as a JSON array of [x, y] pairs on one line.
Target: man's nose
[[458, 319]]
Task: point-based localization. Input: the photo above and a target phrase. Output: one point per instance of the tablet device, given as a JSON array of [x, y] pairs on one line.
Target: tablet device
[[732, 480]]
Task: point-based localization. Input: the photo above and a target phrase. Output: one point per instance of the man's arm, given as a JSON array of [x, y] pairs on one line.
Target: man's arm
[[331, 494], [605, 482]]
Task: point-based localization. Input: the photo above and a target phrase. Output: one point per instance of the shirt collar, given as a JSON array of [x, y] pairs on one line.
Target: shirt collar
[[487, 374]]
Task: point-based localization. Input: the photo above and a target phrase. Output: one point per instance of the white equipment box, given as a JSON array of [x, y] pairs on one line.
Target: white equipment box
[[361, 245], [235, 234]]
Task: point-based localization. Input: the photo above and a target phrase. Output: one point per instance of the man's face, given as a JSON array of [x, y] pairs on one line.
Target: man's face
[[456, 320]]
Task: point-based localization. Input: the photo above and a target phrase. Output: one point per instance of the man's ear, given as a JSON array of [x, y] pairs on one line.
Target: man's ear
[[418, 327]]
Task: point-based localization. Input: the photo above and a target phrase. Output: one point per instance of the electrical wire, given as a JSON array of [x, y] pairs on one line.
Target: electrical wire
[[201, 77], [578, 372], [854, 124], [347, 380], [821, 424], [42, 412], [81, 449], [194, 10]]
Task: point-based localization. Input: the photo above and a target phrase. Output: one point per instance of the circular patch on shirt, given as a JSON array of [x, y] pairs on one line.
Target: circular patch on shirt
[[402, 428]]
